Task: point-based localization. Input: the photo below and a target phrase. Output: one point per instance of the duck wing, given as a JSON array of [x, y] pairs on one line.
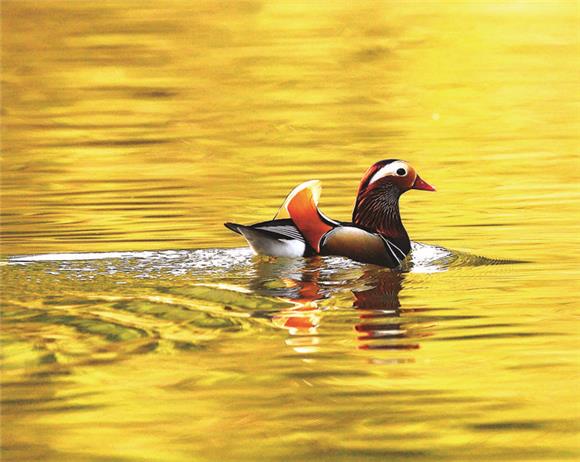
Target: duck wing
[[301, 205], [276, 238], [297, 227], [314, 188]]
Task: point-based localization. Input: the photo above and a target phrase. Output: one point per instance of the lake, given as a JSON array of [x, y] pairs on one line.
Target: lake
[[135, 327]]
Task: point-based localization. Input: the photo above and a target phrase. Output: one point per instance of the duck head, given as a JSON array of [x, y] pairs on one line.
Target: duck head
[[392, 172], [377, 202]]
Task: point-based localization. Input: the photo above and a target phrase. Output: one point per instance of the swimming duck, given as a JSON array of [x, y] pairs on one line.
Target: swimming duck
[[376, 234]]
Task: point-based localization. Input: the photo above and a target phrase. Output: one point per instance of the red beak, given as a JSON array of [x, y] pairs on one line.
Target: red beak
[[422, 185]]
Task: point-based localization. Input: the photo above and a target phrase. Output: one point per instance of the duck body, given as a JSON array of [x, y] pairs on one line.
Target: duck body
[[281, 238], [376, 234]]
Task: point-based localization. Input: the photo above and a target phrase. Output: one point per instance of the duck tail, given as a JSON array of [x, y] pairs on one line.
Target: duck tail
[[233, 226]]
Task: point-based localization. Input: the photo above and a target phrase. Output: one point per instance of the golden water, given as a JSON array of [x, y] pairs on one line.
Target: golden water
[[143, 126]]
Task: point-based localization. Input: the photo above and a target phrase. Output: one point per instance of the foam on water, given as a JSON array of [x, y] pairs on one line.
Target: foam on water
[[425, 258]]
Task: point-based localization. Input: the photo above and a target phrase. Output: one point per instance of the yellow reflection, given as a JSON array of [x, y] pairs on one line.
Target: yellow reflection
[[146, 125]]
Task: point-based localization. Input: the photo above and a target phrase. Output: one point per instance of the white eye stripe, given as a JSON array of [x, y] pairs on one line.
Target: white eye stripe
[[390, 170]]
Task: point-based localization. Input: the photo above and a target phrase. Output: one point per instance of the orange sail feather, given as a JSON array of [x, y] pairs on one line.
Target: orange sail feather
[[301, 205]]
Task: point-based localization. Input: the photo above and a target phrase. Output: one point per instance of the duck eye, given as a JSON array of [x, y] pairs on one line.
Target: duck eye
[[401, 172]]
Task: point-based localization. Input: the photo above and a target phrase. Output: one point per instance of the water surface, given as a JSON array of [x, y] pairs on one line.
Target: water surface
[[135, 326]]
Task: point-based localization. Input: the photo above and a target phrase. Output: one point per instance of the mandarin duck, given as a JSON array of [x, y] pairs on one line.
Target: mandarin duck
[[376, 234]]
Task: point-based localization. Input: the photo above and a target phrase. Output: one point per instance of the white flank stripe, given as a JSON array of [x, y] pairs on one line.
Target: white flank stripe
[[392, 251], [402, 253]]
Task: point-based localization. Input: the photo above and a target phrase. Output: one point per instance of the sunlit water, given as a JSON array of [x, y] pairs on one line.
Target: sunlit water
[[135, 327]]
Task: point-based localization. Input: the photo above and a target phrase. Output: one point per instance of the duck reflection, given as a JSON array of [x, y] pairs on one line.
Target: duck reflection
[[381, 322], [296, 281]]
